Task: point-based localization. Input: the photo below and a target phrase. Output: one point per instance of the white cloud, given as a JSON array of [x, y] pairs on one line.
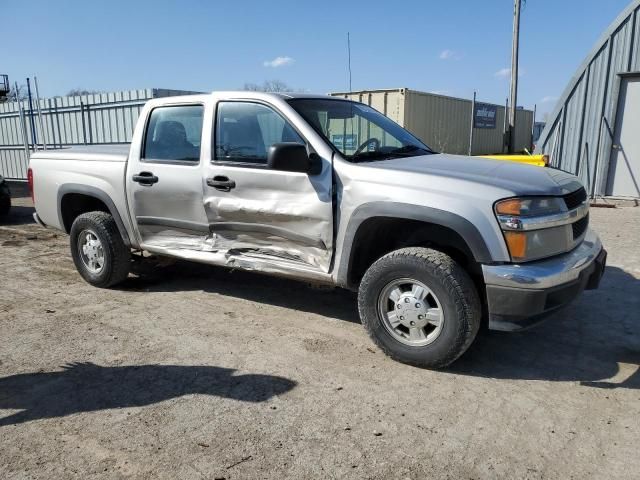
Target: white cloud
[[278, 62], [549, 99], [446, 54], [506, 73]]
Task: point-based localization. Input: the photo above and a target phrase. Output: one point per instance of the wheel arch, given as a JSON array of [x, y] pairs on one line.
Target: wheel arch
[[432, 224], [76, 199]]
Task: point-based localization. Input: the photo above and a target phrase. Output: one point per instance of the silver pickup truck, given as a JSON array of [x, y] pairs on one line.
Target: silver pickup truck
[[328, 190]]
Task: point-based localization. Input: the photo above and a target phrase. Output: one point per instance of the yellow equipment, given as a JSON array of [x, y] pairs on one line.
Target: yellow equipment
[[537, 160]]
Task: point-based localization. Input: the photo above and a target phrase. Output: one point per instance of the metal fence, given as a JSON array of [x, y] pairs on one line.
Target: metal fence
[[102, 118]]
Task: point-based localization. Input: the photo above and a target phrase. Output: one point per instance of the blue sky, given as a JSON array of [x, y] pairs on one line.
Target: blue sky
[[446, 47]]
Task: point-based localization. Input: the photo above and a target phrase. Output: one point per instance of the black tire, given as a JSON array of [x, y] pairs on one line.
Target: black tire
[[451, 285], [117, 256], [5, 205]]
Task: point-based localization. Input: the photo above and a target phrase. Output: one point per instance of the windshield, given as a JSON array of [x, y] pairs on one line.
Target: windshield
[[357, 131]]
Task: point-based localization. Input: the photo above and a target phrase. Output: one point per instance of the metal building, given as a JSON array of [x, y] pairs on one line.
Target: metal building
[[444, 123], [102, 118], [593, 131]]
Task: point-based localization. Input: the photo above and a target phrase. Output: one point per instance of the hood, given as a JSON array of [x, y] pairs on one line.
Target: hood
[[517, 178]]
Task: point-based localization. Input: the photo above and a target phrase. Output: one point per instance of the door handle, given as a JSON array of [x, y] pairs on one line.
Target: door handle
[[145, 178], [222, 183]]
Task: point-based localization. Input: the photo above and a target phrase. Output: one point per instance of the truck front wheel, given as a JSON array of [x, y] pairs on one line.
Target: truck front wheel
[[98, 251], [419, 306]]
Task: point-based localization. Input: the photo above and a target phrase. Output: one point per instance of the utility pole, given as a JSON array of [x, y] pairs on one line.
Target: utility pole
[[473, 115], [514, 75]]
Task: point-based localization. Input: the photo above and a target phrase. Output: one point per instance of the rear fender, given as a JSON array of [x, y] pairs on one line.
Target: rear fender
[[98, 194]]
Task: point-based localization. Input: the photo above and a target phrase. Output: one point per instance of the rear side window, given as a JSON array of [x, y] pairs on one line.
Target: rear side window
[[174, 134], [245, 131]]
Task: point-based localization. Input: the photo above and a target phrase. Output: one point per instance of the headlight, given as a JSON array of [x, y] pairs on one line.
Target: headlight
[[536, 227], [531, 207]]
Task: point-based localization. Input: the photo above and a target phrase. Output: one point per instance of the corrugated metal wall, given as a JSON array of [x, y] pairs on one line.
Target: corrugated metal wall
[[579, 134], [443, 122], [389, 102], [104, 118]]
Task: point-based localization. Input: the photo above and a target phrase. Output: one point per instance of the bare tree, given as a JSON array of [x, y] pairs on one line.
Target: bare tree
[[268, 86], [276, 86], [252, 87], [76, 92]]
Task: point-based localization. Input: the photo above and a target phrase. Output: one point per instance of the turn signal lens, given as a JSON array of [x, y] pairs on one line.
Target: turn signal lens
[[511, 206], [517, 243]]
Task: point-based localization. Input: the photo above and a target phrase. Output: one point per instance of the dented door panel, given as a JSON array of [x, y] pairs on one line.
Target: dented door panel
[[283, 215]]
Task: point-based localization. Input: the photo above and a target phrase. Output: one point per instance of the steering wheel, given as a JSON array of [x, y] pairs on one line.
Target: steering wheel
[[366, 143]]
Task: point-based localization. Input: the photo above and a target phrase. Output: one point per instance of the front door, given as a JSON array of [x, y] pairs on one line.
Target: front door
[[165, 180], [624, 169], [254, 211]]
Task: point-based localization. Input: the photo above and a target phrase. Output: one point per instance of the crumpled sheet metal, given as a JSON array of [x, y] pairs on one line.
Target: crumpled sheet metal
[[247, 250], [293, 224]]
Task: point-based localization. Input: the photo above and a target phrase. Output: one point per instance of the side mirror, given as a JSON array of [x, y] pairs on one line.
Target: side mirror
[[292, 157]]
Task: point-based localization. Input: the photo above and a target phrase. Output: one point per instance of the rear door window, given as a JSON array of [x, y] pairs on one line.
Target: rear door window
[[174, 134]]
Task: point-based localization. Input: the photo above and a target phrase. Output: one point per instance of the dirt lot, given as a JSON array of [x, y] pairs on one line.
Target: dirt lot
[[195, 372]]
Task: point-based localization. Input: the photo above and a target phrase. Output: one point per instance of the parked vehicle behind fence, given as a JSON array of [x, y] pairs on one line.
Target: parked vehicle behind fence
[[5, 197]]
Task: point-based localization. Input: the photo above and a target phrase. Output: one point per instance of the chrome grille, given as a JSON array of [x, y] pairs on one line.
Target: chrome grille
[[580, 227]]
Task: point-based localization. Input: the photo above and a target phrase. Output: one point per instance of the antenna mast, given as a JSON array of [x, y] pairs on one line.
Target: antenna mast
[[349, 56]]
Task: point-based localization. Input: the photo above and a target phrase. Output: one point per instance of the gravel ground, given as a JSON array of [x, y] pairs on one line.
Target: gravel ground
[[187, 371]]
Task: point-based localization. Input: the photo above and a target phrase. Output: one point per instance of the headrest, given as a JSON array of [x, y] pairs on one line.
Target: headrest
[[171, 131]]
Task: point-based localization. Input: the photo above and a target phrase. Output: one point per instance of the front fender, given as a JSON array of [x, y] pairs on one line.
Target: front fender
[[478, 245]]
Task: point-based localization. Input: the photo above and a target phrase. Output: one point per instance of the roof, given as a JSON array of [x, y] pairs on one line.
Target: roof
[[284, 95]]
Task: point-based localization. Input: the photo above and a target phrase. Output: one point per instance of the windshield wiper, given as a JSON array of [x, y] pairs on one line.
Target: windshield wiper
[[408, 149], [367, 156]]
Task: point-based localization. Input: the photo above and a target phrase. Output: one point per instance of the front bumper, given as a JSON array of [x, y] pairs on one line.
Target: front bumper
[[521, 295]]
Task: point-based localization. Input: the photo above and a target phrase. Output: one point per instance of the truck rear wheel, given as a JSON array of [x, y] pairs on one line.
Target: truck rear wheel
[[98, 251], [420, 307]]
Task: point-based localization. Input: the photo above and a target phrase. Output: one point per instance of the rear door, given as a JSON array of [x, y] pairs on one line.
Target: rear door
[[256, 211], [165, 180]]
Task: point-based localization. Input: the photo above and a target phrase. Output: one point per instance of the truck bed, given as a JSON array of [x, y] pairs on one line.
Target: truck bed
[[107, 153], [96, 168]]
